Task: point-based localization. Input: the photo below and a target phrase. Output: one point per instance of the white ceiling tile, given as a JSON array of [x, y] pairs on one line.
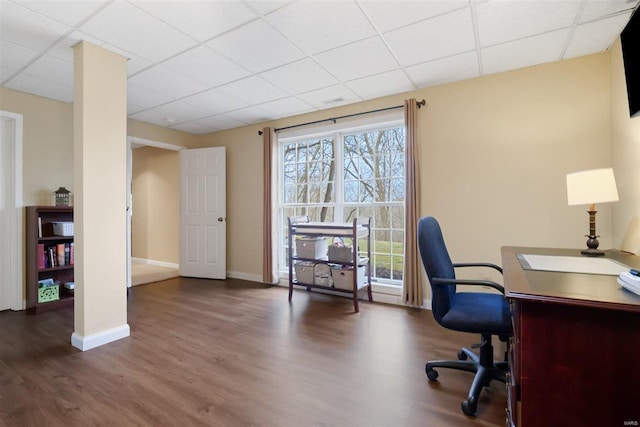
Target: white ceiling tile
[[153, 117], [29, 29], [64, 48], [127, 27], [446, 70], [220, 122], [286, 107], [300, 76], [329, 97], [381, 85], [501, 21], [263, 7], [199, 19], [163, 80], [5, 73], [40, 87], [359, 59], [14, 57], [134, 62], [525, 52], [253, 90], [52, 69], [194, 128], [144, 98], [596, 9], [249, 115], [596, 36], [215, 102], [388, 15], [317, 25], [68, 12], [206, 66], [438, 37], [257, 47], [173, 112]]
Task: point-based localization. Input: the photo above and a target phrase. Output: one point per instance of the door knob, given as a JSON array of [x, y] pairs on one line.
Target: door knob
[[220, 219]]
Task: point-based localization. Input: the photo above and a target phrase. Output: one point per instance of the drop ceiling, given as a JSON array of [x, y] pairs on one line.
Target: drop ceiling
[[205, 66]]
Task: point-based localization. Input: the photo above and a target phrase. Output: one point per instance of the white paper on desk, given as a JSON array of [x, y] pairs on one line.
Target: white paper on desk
[[570, 264]]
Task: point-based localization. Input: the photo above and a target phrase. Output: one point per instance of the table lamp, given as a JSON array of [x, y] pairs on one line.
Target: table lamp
[[588, 188]]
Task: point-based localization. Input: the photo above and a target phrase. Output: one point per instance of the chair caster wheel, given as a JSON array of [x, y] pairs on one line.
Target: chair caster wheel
[[432, 374], [462, 355], [469, 407]]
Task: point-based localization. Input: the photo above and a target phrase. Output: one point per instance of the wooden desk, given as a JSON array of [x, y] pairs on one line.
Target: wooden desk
[[575, 354]]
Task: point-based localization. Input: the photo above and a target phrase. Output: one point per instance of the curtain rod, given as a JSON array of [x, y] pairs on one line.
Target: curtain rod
[[333, 119]]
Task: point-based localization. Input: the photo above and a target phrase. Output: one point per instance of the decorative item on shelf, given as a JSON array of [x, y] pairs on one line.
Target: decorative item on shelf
[[588, 188], [62, 197]]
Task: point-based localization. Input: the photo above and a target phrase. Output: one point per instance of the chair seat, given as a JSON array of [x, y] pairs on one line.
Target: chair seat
[[481, 313]]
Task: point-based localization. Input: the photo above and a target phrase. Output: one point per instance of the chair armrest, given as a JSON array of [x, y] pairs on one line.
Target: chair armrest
[[479, 264], [491, 284]]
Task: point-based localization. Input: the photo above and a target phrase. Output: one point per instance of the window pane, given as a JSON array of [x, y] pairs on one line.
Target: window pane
[[289, 174], [351, 191], [302, 153], [289, 194], [397, 190], [398, 217], [302, 193], [289, 153]]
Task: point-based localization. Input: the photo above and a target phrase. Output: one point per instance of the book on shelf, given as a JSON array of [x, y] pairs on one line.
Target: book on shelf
[[67, 253], [60, 253], [40, 258], [71, 254], [51, 252], [39, 228]]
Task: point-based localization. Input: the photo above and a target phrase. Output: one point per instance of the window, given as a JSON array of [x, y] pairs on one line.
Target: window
[[339, 175]]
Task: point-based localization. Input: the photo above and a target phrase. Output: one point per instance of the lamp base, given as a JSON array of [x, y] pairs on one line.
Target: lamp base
[[592, 252], [592, 242]]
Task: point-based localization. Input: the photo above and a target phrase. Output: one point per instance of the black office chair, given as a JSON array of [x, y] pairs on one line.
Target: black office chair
[[484, 313]]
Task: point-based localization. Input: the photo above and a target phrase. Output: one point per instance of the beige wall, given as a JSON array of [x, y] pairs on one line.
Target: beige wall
[[47, 144], [156, 196], [625, 137], [493, 156]]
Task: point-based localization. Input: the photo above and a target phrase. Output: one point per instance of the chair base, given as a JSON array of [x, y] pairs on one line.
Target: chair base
[[482, 365]]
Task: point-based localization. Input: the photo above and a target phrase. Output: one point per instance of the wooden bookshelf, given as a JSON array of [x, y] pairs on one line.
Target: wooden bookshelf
[[39, 231]]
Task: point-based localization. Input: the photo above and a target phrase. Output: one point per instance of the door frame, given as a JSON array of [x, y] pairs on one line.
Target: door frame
[[16, 272], [134, 141]]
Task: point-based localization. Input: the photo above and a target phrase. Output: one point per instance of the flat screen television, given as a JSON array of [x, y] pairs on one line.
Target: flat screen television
[[630, 39]]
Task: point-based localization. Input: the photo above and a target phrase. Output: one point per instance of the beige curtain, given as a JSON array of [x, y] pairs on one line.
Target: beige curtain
[[269, 251], [413, 291]]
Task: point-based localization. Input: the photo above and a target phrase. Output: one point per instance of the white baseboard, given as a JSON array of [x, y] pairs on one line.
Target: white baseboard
[[154, 262], [101, 338], [244, 276]]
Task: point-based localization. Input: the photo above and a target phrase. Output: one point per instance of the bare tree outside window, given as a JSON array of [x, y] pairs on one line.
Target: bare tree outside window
[[368, 182]]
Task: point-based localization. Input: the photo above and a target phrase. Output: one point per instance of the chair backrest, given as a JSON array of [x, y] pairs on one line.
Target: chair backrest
[[437, 263]]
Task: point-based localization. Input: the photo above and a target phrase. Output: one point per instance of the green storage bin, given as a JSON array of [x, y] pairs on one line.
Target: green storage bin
[[49, 293]]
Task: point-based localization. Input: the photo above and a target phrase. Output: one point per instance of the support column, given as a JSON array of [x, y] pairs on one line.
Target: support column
[[99, 179]]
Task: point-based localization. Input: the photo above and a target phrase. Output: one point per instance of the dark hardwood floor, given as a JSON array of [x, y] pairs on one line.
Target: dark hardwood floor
[[236, 353]]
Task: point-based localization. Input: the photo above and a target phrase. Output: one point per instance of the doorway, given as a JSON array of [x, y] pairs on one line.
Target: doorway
[[11, 257], [152, 207]]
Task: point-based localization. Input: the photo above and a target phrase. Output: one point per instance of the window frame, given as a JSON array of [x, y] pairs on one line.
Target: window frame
[[337, 131]]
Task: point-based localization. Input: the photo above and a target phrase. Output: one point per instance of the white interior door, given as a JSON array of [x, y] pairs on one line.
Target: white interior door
[[11, 272], [203, 229]]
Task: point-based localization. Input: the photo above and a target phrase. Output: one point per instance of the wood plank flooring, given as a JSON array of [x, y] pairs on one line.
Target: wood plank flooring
[[236, 353]]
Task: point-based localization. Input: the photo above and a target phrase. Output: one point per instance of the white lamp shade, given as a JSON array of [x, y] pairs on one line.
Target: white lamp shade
[[591, 186]]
